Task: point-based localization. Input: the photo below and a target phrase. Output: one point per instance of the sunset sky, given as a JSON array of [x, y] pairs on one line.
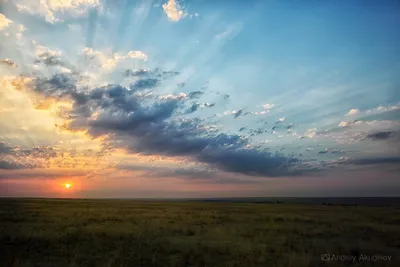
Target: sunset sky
[[199, 98]]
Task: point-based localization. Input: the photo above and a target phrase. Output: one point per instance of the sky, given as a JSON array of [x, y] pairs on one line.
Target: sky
[[199, 98]]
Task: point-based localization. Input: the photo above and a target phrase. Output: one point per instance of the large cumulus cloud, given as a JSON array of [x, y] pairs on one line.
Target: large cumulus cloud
[[158, 127]]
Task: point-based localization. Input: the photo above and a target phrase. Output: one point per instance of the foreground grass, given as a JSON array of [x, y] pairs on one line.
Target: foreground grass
[[98, 233]]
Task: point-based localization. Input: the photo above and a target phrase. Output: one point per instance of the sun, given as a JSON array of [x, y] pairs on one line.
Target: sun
[[67, 186]]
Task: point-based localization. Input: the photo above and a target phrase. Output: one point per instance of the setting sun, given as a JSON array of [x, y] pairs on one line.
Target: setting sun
[[67, 186]]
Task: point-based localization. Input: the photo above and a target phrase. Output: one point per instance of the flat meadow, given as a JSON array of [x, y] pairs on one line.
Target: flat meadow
[[132, 233]]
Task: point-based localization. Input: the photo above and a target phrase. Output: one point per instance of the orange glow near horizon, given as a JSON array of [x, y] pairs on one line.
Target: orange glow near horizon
[[69, 185], [66, 187]]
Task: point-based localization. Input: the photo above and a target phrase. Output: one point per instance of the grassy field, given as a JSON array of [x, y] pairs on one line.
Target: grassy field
[[98, 233]]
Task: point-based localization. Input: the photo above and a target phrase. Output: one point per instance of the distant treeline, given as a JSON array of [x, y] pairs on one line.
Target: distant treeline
[[335, 204], [269, 202], [328, 201], [352, 205]]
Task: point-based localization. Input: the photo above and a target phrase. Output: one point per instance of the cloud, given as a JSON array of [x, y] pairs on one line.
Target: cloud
[[110, 62], [93, 162], [195, 106], [238, 113], [4, 22], [195, 94], [150, 73], [145, 84], [229, 32], [345, 123], [323, 151], [268, 106], [7, 165], [4, 148], [173, 10], [173, 97], [193, 172], [55, 10], [364, 123], [338, 152], [373, 111], [371, 160], [116, 113], [382, 109], [10, 30], [14, 157], [70, 4], [8, 62], [194, 15], [198, 173], [353, 112], [310, 133], [48, 57], [250, 161], [38, 173], [256, 131], [264, 112], [290, 126], [135, 54], [276, 127], [147, 79], [207, 105], [350, 132], [385, 136], [202, 172], [235, 113], [137, 72], [380, 135], [192, 108]]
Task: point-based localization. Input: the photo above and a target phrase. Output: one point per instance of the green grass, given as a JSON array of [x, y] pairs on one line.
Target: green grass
[[98, 233]]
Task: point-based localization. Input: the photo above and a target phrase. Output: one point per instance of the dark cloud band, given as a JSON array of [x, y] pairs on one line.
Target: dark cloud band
[[156, 128]]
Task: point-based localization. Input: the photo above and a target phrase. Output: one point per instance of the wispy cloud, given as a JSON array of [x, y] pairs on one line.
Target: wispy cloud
[[10, 29], [373, 111], [382, 109], [8, 62], [4, 22], [55, 11], [353, 111], [268, 106], [109, 62], [230, 31]]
